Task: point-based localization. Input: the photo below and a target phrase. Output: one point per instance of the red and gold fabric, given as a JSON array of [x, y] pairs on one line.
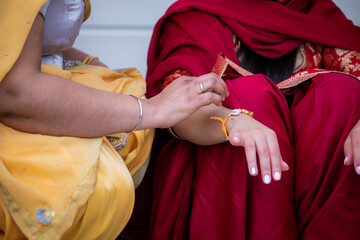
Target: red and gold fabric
[[202, 190], [343, 60]]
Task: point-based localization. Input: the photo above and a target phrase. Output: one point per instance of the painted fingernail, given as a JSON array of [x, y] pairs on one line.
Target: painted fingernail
[[277, 176], [267, 179], [286, 165], [253, 170], [358, 170], [346, 159]]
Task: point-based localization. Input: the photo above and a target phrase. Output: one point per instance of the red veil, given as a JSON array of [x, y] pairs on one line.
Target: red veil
[[270, 28]]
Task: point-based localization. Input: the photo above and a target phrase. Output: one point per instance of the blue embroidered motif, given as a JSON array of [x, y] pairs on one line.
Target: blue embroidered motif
[[41, 216]]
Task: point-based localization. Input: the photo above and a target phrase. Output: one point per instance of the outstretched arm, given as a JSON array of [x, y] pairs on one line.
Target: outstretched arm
[[36, 102], [244, 131]]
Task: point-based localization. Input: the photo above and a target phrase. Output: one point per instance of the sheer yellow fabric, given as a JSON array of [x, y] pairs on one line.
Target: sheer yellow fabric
[[64, 187]]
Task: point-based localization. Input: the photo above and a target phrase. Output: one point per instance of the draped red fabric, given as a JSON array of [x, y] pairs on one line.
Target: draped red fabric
[[267, 27], [205, 192]]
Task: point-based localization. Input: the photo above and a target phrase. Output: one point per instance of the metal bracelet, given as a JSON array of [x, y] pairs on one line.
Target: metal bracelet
[[171, 130], [141, 112]]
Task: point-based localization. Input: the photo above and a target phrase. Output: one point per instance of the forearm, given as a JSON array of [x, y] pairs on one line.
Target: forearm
[[57, 106], [36, 102], [202, 130]]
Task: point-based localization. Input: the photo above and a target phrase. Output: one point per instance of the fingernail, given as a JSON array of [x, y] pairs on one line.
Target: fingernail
[[277, 176], [346, 159], [267, 179], [253, 170], [358, 170], [286, 165], [236, 139]]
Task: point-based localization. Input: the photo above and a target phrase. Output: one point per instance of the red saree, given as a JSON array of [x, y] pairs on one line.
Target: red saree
[[205, 192]]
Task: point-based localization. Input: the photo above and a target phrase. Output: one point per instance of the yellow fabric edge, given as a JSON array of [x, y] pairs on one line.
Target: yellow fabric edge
[[143, 139], [16, 20]]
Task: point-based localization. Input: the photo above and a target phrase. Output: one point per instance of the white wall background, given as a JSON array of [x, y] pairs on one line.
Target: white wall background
[[119, 31]]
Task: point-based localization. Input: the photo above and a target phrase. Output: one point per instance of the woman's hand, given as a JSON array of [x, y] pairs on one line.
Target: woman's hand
[[352, 148], [257, 139], [186, 95]]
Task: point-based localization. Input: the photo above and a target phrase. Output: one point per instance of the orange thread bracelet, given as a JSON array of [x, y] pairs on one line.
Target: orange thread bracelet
[[234, 112]]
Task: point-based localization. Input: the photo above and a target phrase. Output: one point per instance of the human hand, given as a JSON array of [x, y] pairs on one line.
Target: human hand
[[186, 95], [352, 148], [258, 139]]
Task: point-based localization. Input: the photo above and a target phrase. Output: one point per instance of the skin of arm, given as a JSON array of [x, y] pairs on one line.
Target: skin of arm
[[36, 102], [196, 127]]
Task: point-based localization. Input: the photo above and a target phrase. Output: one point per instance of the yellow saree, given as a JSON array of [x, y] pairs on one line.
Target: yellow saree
[[65, 187]]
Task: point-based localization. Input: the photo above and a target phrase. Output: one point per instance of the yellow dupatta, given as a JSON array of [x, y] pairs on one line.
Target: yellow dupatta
[[64, 187]]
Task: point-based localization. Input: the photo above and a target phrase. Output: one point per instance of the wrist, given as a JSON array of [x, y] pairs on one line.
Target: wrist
[[140, 113], [236, 113], [152, 117], [228, 121]]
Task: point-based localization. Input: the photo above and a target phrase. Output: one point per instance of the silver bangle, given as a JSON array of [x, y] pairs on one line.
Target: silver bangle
[[141, 112], [174, 134]]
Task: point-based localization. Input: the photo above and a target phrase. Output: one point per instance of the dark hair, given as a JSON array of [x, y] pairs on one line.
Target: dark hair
[[277, 69]]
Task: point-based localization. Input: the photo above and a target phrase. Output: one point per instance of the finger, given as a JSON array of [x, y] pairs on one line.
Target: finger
[[250, 153], [213, 76], [275, 156], [211, 85], [356, 152], [264, 158], [208, 98], [348, 152], [202, 88], [284, 166], [235, 139], [213, 82]]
